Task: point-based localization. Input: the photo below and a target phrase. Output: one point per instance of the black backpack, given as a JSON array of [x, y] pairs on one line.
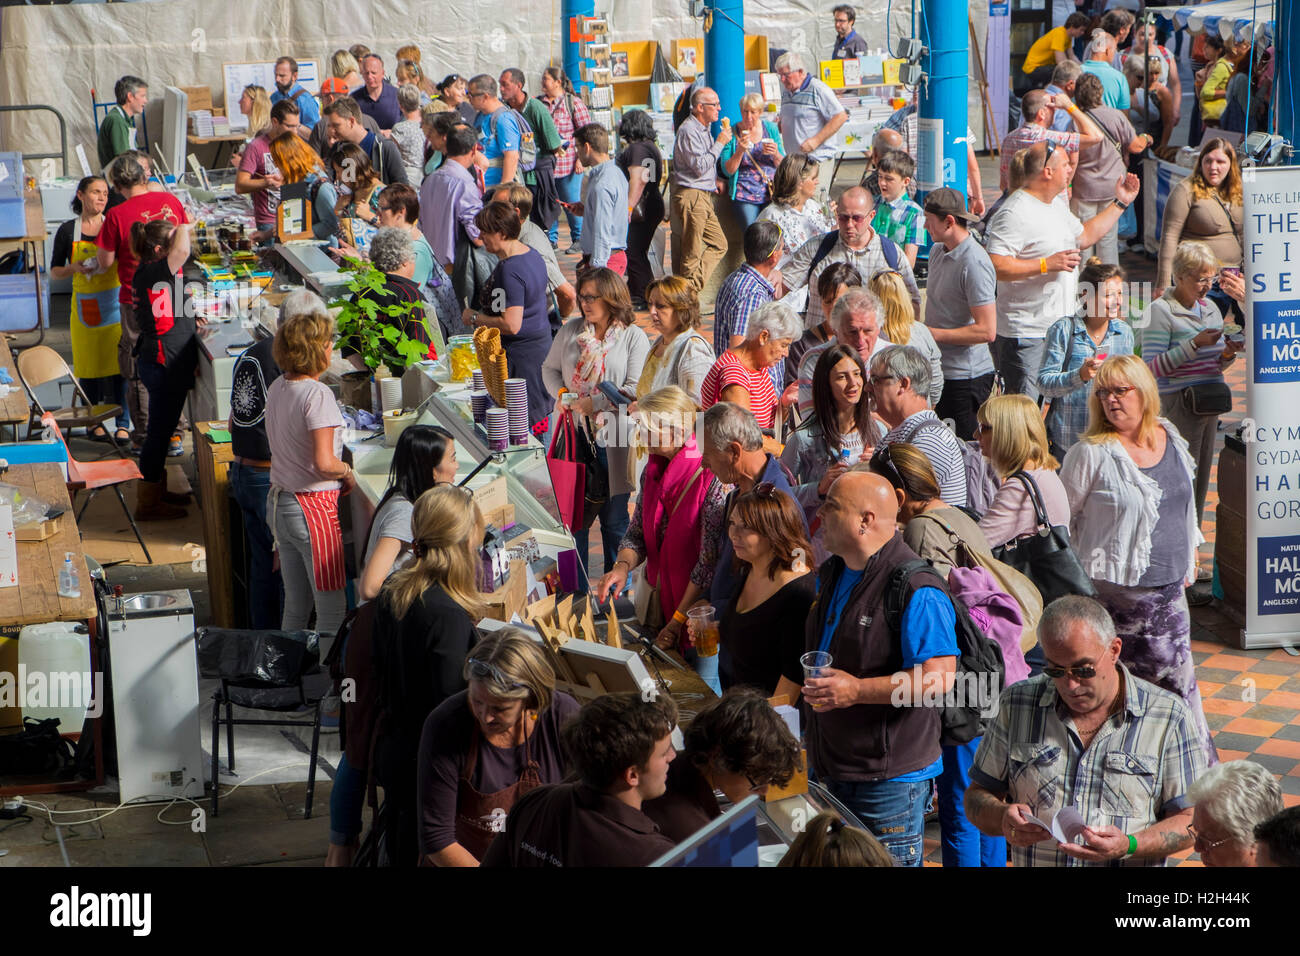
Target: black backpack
[[978, 656], [887, 246]]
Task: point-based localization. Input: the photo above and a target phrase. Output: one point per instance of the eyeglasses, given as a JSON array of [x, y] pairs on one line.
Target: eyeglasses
[[857, 218], [875, 380], [753, 787], [709, 103], [484, 670], [1050, 149], [1118, 391], [1198, 841], [883, 463], [780, 241], [588, 298], [1078, 672]]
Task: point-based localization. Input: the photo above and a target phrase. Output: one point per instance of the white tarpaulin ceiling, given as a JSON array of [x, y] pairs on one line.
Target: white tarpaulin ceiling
[[54, 55], [1228, 18]]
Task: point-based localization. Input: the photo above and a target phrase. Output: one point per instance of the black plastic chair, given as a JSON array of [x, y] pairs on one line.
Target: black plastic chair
[[263, 670]]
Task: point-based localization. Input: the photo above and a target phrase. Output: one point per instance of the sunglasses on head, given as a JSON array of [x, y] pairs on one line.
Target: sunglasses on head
[[883, 463], [485, 670]]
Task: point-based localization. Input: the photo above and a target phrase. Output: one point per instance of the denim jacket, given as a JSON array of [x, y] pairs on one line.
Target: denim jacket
[[1067, 418]]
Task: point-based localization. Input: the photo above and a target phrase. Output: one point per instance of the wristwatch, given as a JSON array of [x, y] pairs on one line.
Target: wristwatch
[[1118, 202]]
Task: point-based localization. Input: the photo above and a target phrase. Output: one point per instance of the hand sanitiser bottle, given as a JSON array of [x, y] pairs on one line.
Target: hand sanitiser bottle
[[69, 580]]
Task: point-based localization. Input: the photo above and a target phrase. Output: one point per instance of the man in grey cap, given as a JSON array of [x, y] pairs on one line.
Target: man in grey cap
[[960, 309]]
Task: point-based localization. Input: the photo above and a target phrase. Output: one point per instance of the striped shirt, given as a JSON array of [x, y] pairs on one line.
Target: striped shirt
[[901, 221], [728, 371], [566, 124], [1167, 344], [1137, 770], [940, 445]]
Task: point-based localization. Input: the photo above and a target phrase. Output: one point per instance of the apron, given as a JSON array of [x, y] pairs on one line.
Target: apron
[[96, 314], [478, 813], [320, 510]]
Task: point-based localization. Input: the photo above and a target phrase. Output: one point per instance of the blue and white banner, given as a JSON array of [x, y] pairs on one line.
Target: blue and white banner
[[1271, 245]]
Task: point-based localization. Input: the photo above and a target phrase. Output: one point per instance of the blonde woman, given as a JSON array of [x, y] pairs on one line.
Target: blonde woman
[[1129, 484], [344, 66], [424, 628], [1014, 440], [486, 746], [255, 103], [900, 327], [681, 356]]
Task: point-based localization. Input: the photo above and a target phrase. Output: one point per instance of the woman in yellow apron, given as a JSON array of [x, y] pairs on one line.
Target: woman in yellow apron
[[96, 320]]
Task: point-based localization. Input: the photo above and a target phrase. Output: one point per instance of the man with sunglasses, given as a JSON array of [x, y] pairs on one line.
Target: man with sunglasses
[[1086, 734], [811, 115], [698, 241], [856, 243], [1034, 242]]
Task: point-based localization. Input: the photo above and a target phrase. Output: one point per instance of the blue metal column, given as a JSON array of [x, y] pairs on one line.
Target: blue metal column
[[1288, 71], [568, 10], [946, 35], [724, 53]]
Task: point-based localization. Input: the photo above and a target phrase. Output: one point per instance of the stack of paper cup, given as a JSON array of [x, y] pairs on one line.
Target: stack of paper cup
[[478, 380], [479, 400], [517, 406], [498, 429], [390, 393]]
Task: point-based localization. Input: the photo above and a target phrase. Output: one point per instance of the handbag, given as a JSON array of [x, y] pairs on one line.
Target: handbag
[[645, 597], [1208, 398], [568, 475], [1046, 557]]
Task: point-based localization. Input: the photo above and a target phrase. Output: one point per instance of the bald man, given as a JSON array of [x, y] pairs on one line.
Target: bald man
[[873, 730], [884, 140]]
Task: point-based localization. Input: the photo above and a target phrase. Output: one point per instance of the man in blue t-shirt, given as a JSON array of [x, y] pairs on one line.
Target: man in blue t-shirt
[[499, 134], [287, 87], [873, 713]]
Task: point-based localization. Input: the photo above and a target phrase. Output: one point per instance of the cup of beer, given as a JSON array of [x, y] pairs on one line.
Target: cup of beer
[[815, 664], [703, 626]]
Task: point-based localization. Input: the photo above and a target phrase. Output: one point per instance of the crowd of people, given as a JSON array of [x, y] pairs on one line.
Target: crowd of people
[[835, 428]]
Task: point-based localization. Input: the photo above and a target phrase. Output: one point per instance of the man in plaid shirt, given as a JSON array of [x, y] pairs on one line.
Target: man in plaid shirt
[[1088, 735], [747, 288], [898, 217]]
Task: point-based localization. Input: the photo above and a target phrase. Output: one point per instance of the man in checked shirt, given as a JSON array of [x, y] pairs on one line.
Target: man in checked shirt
[[1089, 735]]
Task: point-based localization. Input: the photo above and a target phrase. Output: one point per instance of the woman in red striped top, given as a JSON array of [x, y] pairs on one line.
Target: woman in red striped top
[[743, 375]]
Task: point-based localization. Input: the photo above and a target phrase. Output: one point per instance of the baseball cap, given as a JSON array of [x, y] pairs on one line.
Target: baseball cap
[[333, 85], [948, 202]]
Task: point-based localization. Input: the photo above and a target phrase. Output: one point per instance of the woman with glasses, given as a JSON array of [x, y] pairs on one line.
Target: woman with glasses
[[452, 91], [1230, 800], [797, 211], [741, 376], [738, 745], [677, 523], [761, 633], [424, 628], [603, 345], [1075, 348], [1185, 347], [900, 325], [750, 160], [838, 434], [1014, 441], [1129, 483], [486, 746]]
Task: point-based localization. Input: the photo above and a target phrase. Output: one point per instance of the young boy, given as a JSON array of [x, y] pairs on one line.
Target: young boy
[[897, 216]]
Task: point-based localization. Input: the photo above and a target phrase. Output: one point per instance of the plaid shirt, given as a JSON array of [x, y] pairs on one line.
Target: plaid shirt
[[739, 295], [1137, 770], [1067, 418], [1022, 137], [566, 124], [902, 221]]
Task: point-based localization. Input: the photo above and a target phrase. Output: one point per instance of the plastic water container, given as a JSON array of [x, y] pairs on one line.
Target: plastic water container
[[62, 657]]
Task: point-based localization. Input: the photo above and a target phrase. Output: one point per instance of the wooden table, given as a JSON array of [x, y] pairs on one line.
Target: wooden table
[[14, 410], [212, 462], [220, 141], [36, 600]]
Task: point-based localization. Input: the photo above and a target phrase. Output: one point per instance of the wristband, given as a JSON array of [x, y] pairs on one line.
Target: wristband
[[679, 617], [1132, 845], [1121, 204], [1042, 266], [621, 561]]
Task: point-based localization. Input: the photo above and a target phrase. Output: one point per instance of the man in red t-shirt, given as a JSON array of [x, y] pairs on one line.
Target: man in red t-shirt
[[130, 177]]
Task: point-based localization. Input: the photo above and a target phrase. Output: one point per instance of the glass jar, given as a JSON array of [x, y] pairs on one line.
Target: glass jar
[[464, 358]]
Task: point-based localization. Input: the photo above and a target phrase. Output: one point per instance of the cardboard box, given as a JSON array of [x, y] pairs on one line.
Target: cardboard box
[[509, 599], [491, 495], [39, 531]]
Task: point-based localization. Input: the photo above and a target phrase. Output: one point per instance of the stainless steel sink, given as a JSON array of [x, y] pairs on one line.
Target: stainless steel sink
[[148, 602]]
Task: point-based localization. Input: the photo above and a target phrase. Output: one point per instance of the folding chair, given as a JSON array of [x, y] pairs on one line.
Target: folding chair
[[40, 365], [276, 671], [92, 476]]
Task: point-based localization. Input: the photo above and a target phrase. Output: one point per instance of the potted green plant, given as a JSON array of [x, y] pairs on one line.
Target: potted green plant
[[376, 331]]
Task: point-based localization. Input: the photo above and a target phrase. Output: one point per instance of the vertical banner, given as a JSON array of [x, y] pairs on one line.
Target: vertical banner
[[1272, 429]]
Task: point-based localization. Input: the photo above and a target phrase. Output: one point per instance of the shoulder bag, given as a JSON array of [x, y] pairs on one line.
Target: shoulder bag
[[1046, 557]]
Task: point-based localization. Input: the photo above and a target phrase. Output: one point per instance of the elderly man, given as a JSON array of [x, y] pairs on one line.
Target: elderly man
[[320, 140], [877, 758], [288, 87], [856, 243], [1231, 800], [541, 179], [1279, 839], [697, 238], [377, 97], [848, 45], [733, 450], [1088, 736], [748, 287], [257, 173], [449, 198], [899, 384], [344, 123], [960, 309], [1034, 243], [1100, 64], [810, 116], [117, 130], [1063, 79], [1038, 109], [499, 132], [393, 253], [855, 322]]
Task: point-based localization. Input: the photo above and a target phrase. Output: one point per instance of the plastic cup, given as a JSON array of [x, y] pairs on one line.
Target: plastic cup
[[704, 630], [815, 664]]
